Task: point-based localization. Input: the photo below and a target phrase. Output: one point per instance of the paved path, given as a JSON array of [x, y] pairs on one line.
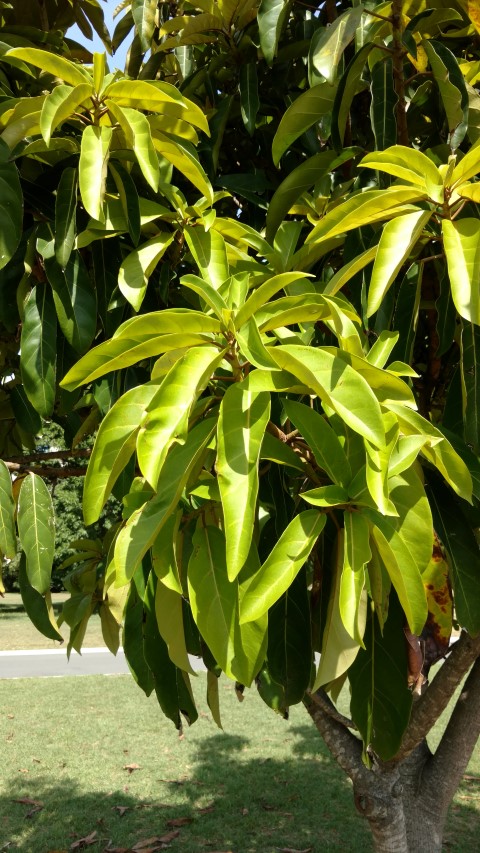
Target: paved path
[[43, 663]]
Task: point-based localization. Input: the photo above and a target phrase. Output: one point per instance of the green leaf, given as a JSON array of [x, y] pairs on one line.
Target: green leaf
[[348, 86], [277, 451], [128, 195], [36, 530], [290, 642], [382, 348], [161, 97], [466, 168], [356, 555], [75, 300], [365, 208], [114, 445], [60, 105], [241, 427], [137, 132], [461, 240], [252, 347], [181, 154], [378, 461], [409, 165], [8, 538], [37, 607], [11, 206], [133, 641], [138, 266], [38, 349], [249, 100], [144, 12], [290, 310], [381, 701], [92, 168], [26, 416], [71, 72], [169, 611], [261, 296], [164, 555], [326, 496], [384, 100], [305, 111], [209, 253], [166, 417], [338, 650], [348, 271], [459, 541], [207, 292], [213, 698], [329, 47], [322, 441], [282, 564], [452, 88], [470, 367], [299, 180], [144, 525], [402, 567], [338, 385], [65, 215], [110, 628], [271, 17]]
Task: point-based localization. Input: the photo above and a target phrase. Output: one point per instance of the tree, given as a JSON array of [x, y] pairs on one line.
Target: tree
[[281, 362]]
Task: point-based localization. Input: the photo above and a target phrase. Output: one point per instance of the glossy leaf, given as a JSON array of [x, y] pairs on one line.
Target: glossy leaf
[[128, 195], [409, 165], [271, 17], [452, 89], [167, 413], [75, 300], [324, 443], [143, 12], [65, 216], [383, 104], [289, 653], [160, 96], [37, 607], [8, 537], [241, 426], [329, 47], [470, 364], [138, 266], [249, 100], [307, 109], [356, 556], [38, 346], [169, 612], [92, 168], [345, 92], [260, 297], [36, 530], [209, 252], [71, 72], [11, 206], [60, 105], [282, 564], [181, 155], [461, 242], [138, 136]]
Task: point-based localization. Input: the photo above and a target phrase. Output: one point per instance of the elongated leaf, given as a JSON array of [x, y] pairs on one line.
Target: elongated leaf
[[160, 96], [384, 100], [36, 530], [356, 555], [410, 165], [166, 418], [461, 240], [138, 135], [363, 209], [349, 270], [381, 701], [71, 72], [133, 641], [400, 564], [322, 440], [38, 349], [338, 385], [144, 525], [169, 611], [290, 641], [127, 192], [345, 92], [451, 85], [75, 301], [143, 12], [138, 266], [282, 565], [8, 538], [326, 496], [249, 100], [209, 252], [164, 554], [182, 155], [207, 292], [290, 310], [338, 650], [264, 293], [466, 168], [61, 104], [271, 17], [299, 180], [462, 550], [114, 446], [92, 168], [470, 367], [307, 109], [241, 426], [37, 607], [11, 206], [65, 213], [329, 47]]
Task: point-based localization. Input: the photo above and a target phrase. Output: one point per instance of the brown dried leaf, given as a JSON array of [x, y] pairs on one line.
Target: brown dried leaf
[[86, 841], [26, 801], [148, 845], [120, 809], [292, 850], [179, 821], [169, 836], [131, 767]]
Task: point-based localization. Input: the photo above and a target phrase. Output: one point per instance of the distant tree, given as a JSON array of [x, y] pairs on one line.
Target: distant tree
[[251, 266]]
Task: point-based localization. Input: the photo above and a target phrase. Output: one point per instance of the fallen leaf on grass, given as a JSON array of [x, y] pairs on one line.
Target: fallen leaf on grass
[[179, 821], [37, 805], [158, 842], [86, 841], [131, 767], [206, 809], [169, 836], [120, 809], [293, 850]]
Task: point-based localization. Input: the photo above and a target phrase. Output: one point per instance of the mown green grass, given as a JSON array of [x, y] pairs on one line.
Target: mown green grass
[[17, 632], [266, 783]]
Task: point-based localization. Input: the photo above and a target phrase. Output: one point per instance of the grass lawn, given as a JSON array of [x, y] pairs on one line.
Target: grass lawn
[[261, 785], [17, 632]]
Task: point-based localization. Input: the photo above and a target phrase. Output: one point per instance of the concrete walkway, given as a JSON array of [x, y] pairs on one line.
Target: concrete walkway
[[48, 663]]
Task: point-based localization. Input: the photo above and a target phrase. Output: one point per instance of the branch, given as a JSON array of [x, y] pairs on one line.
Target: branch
[[50, 454], [47, 473], [321, 699], [430, 705], [344, 746], [398, 75], [446, 768]]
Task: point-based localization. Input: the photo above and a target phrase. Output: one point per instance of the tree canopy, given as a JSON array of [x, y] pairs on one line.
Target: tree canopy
[[250, 265]]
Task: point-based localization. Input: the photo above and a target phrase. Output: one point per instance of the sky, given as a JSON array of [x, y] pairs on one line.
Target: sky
[[117, 61]]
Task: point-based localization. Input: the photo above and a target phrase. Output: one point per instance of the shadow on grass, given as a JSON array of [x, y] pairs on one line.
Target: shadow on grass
[[234, 801]]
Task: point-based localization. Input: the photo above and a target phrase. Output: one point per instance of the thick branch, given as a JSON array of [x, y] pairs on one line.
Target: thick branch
[[444, 771], [430, 705], [344, 746], [46, 472], [50, 454], [398, 75]]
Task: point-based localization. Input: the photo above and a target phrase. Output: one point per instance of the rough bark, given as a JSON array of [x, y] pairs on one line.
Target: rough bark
[[406, 800]]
